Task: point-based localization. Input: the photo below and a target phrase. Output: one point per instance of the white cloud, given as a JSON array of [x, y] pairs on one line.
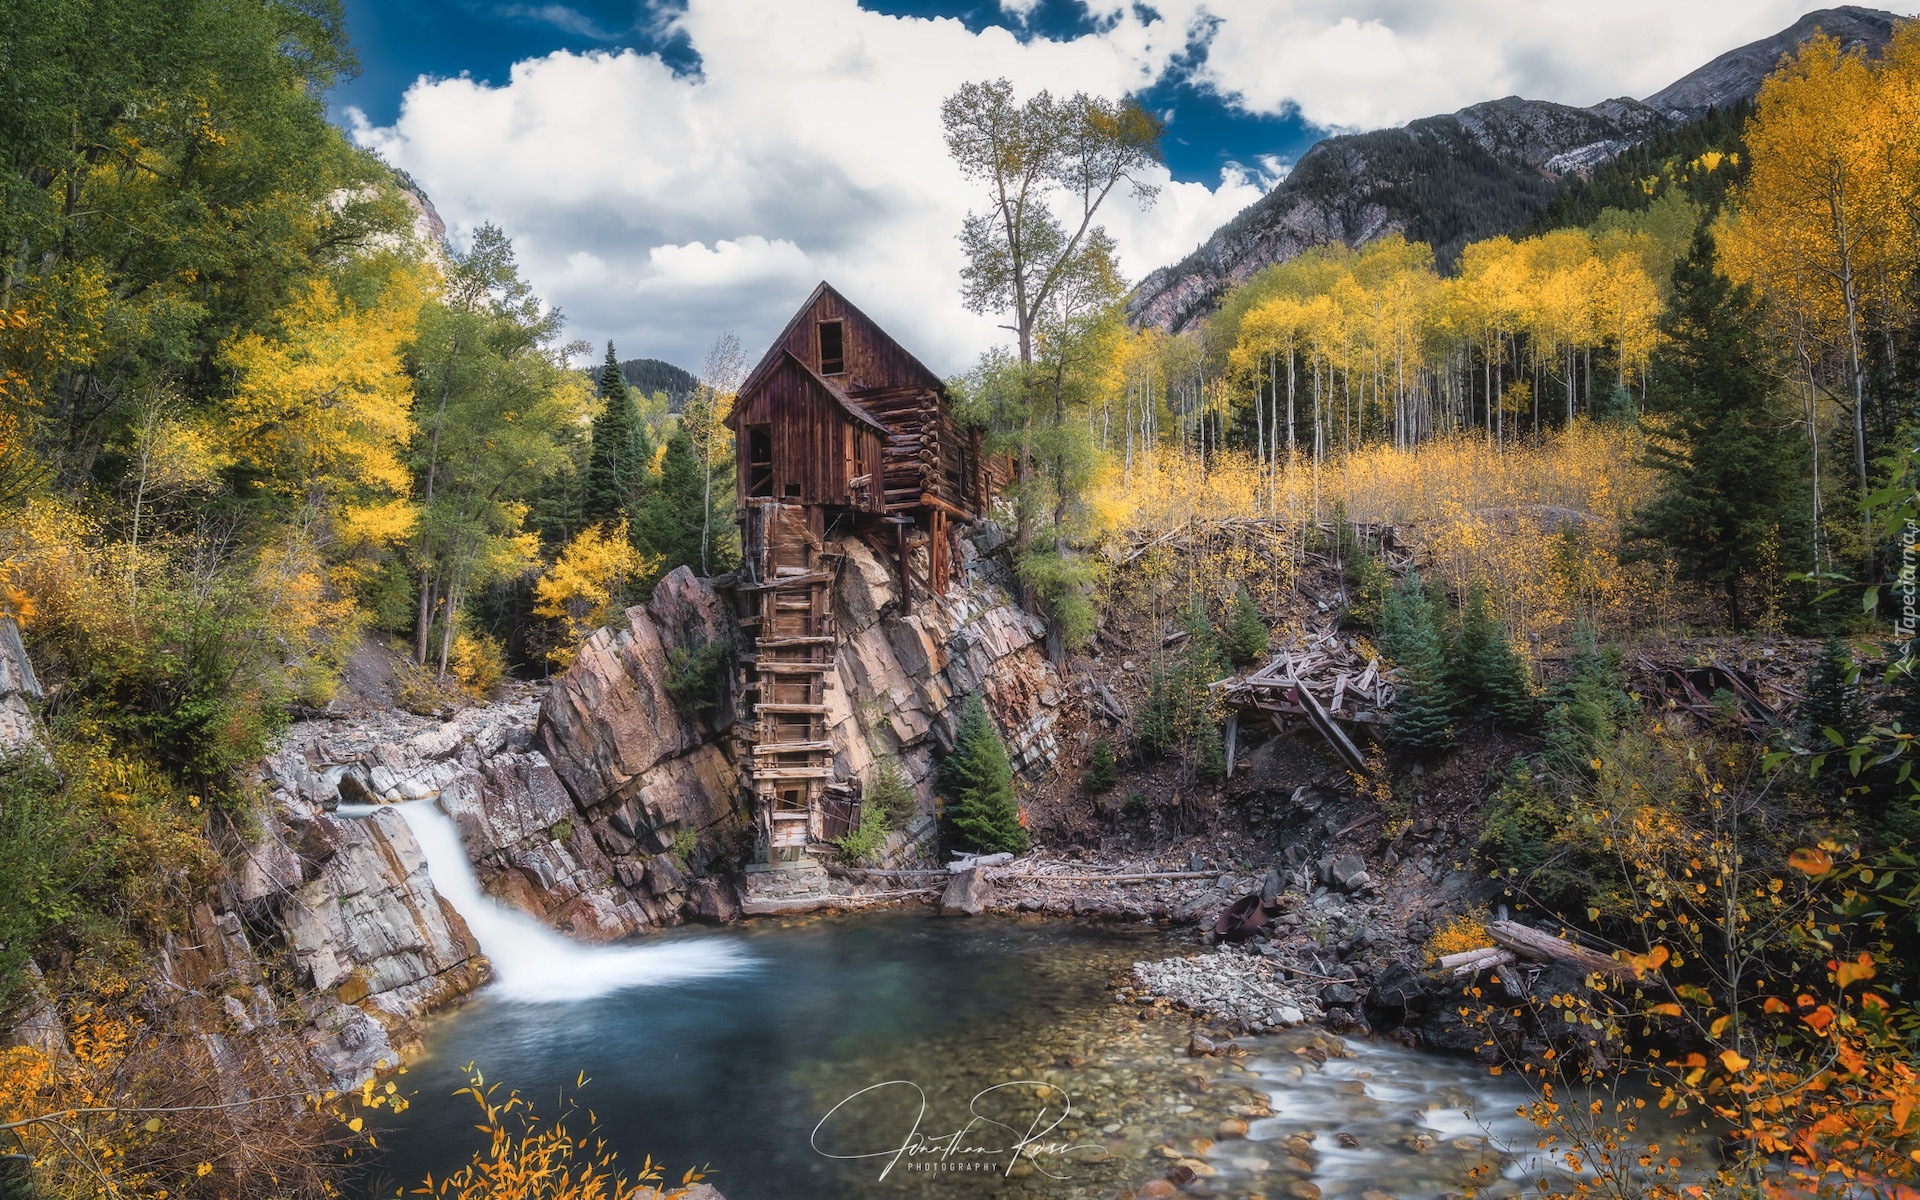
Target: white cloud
[[1373, 63], [659, 210]]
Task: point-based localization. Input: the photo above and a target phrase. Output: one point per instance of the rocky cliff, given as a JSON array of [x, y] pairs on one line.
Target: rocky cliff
[[594, 806], [1454, 179]]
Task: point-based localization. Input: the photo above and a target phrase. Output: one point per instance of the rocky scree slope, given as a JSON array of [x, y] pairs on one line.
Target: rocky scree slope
[[1455, 179]]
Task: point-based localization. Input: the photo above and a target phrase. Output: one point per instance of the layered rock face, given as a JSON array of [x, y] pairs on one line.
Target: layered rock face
[[902, 677], [645, 776]]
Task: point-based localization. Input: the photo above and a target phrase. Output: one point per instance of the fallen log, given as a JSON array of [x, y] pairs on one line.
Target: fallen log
[[1544, 947], [787, 905], [1148, 877], [1494, 957]]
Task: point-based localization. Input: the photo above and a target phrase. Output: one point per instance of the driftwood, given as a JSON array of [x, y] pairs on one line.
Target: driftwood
[[1143, 877], [1544, 947], [1470, 961]]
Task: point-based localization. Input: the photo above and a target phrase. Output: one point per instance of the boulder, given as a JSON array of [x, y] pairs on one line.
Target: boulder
[[968, 894], [1341, 994], [1349, 872]]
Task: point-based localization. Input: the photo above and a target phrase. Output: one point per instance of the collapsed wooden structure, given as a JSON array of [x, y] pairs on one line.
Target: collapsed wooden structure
[[838, 429], [1323, 678]]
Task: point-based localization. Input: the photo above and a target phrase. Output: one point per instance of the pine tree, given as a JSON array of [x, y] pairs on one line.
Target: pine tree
[[1833, 699], [1103, 772], [1470, 647], [1730, 482], [1246, 633], [1425, 708], [621, 453], [983, 812], [668, 524]]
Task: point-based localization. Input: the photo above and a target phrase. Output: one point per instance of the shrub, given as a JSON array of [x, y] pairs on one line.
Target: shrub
[[983, 813], [479, 663], [694, 678], [863, 841], [1181, 715], [887, 789], [1462, 931], [1103, 772], [1528, 835]]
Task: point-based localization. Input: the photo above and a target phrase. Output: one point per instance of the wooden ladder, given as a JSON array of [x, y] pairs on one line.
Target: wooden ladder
[[790, 758]]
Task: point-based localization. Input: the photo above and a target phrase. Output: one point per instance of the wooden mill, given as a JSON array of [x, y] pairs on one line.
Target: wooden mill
[[838, 429]]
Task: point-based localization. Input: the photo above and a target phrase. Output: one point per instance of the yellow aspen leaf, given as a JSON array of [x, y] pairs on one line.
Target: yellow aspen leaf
[[1732, 1061]]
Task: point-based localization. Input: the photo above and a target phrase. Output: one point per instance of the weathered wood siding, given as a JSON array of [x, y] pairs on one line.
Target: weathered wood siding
[[817, 448]]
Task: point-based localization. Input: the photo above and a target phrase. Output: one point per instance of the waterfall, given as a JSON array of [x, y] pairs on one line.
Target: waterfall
[[532, 962]]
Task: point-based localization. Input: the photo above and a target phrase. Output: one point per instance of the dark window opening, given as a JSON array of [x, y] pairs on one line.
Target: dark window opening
[[759, 461], [833, 350], [793, 491]]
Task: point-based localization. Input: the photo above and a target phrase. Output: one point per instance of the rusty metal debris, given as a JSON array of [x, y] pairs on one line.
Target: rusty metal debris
[[1693, 688]]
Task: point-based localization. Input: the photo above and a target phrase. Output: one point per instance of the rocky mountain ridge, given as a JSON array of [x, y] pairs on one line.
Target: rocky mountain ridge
[[1460, 177]]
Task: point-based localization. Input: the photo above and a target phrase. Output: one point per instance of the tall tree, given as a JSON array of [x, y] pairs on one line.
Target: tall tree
[[1049, 278], [1730, 482], [983, 811], [674, 511], [492, 404], [622, 454]]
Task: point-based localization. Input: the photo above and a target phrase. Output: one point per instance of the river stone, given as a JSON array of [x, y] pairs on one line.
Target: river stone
[[967, 894]]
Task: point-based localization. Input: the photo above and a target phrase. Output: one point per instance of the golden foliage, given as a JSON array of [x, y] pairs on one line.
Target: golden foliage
[[528, 1158], [1461, 932], [321, 412], [583, 584]]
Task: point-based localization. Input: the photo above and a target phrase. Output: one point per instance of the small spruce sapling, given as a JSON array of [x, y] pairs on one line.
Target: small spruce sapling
[[1246, 632], [983, 813], [1426, 709], [1103, 772]]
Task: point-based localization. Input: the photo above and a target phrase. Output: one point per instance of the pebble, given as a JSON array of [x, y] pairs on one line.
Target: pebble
[[1301, 1189], [1232, 1127]]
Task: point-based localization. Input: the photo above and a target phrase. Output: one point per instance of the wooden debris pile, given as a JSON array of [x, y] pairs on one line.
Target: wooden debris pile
[[1324, 678]]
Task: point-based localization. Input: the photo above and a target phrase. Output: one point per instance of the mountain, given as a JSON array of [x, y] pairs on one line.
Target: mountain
[[652, 375], [1454, 179]]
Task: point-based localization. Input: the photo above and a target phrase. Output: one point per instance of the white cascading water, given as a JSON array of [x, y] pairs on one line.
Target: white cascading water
[[531, 962]]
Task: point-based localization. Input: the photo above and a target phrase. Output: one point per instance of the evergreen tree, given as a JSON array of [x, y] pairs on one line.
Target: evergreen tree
[[1103, 772], [1833, 698], [1425, 707], [1487, 672], [1246, 633], [668, 524], [621, 453], [1730, 481], [1506, 685], [1470, 646], [983, 812]]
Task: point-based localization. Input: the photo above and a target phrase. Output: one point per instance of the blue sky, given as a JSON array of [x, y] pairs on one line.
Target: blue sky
[[672, 169], [400, 40]]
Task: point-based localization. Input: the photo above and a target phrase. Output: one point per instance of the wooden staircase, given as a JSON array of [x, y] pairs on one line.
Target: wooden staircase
[[789, 578]]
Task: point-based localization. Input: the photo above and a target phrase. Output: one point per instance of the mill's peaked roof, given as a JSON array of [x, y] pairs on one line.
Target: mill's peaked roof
[[772, 357]]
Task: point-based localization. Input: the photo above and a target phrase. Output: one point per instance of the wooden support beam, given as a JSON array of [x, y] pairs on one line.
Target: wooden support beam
[[810, 709], [793, 748]]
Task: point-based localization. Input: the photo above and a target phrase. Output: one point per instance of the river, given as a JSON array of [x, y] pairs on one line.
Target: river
[[899, 1054]]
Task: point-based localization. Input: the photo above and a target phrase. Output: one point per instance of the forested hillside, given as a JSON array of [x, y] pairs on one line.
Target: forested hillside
[[1489, 169]]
